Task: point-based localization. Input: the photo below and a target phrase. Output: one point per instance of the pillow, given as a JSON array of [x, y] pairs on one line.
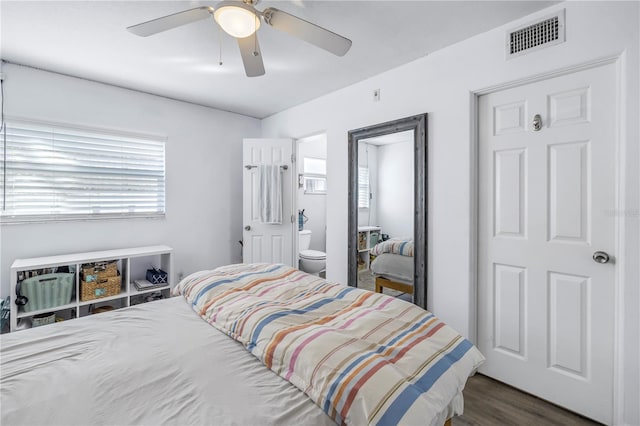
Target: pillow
[[394, 246]]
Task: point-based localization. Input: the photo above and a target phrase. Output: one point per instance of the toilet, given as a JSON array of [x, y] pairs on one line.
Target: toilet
[[311, 261]]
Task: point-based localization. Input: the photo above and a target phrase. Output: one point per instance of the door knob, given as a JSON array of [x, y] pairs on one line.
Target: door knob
[[247, 228], [600, 257], [537, 123]]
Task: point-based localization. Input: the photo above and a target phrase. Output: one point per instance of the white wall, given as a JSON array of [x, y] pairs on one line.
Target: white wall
[[442, 85], [395, 189], [315, 205], [203, 171], [368, 157]]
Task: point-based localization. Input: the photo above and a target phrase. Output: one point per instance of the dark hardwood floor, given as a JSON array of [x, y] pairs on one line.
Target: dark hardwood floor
[[488, 402]]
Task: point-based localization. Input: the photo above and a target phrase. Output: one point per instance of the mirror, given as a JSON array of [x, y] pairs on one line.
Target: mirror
[[363, 236]]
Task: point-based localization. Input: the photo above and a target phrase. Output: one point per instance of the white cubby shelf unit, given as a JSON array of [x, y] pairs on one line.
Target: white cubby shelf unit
[[132, 265], [365, 243]]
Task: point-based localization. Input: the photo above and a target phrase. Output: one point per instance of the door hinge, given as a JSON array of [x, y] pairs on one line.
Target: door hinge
[[293, 158], [293, 218]]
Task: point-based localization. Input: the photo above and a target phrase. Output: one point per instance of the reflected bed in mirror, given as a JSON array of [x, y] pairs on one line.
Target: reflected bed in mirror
[[387, 208]]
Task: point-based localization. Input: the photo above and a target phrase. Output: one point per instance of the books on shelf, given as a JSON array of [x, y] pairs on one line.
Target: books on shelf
[[146, 285]]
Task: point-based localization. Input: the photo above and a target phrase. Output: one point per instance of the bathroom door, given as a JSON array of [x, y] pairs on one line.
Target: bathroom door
[[267, 242]]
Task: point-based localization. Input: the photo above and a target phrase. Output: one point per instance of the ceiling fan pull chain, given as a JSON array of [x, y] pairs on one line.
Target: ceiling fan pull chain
[[220, 43], [255, 39]]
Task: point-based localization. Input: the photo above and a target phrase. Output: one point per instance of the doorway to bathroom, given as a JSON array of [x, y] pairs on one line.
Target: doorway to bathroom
[[311, 203]]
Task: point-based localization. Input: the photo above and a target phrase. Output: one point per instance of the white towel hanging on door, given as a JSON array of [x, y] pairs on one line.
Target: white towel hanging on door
[[270, 195]]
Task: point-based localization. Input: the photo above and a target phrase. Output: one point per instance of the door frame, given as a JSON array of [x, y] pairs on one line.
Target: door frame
[[620, 257], [295, 187]]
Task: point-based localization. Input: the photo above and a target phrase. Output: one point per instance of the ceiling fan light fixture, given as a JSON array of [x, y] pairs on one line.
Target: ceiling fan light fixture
[[237, 19], [240, 19]]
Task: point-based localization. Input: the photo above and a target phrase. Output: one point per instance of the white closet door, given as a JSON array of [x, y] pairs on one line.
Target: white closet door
[[547, 197]]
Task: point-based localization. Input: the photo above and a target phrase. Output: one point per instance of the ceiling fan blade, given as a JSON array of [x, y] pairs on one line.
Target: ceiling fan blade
[[171, 21], [251, 55], [307, 31]]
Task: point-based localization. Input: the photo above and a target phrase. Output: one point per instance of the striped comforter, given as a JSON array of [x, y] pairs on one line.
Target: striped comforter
[[401, 247], [363, 357]]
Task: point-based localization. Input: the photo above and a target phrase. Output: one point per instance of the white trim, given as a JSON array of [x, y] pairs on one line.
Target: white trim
[[473, 216], [620, 191], [619, 61], [547, 75], [293, 177], [295, 200], [39, 219]]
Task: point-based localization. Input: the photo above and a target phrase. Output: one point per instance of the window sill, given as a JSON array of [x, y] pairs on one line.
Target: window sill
[[25, 220]]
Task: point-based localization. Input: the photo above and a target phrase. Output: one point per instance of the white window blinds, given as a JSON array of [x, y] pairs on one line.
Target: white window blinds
[[51, 172], [363, 187], [315, 175]]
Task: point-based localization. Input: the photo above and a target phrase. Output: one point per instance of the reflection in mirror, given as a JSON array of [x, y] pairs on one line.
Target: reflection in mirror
[[387, 208]]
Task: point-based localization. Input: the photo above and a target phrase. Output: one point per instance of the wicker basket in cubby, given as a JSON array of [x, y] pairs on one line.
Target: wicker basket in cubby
[[100, 270], [102, 287]]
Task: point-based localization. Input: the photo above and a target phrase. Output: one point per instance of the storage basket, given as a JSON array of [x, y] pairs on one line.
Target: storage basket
[[106, 269], [99, 270], [101, 309], [43, 319], [373, 239], [47, 291], [156, 276], [101, 287], [362, 241]]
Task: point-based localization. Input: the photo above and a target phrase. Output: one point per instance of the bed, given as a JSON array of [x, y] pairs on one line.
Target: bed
[[160, 363], [393, 265]]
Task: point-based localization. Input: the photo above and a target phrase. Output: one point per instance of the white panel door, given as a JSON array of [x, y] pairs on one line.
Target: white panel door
[[547, 197], [267, 242]]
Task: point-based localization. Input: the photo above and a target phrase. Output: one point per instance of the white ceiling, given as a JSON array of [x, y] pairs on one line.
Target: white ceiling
[[88, 39]]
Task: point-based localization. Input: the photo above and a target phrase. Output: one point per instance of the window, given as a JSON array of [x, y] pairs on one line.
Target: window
[[52, 172], [314, 166], [363, 188], [314, 175]]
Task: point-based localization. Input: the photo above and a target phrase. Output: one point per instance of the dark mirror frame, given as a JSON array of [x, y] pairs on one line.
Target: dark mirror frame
[[417, 123]]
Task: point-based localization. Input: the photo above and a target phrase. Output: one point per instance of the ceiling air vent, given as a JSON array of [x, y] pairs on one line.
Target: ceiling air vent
[[538, 35]]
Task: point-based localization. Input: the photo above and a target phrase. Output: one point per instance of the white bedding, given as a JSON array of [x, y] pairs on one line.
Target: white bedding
[[156, 363], [151, 364], [393, 266]]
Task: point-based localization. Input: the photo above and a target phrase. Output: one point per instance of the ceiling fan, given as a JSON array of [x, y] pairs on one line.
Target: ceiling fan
[[240, 19]]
